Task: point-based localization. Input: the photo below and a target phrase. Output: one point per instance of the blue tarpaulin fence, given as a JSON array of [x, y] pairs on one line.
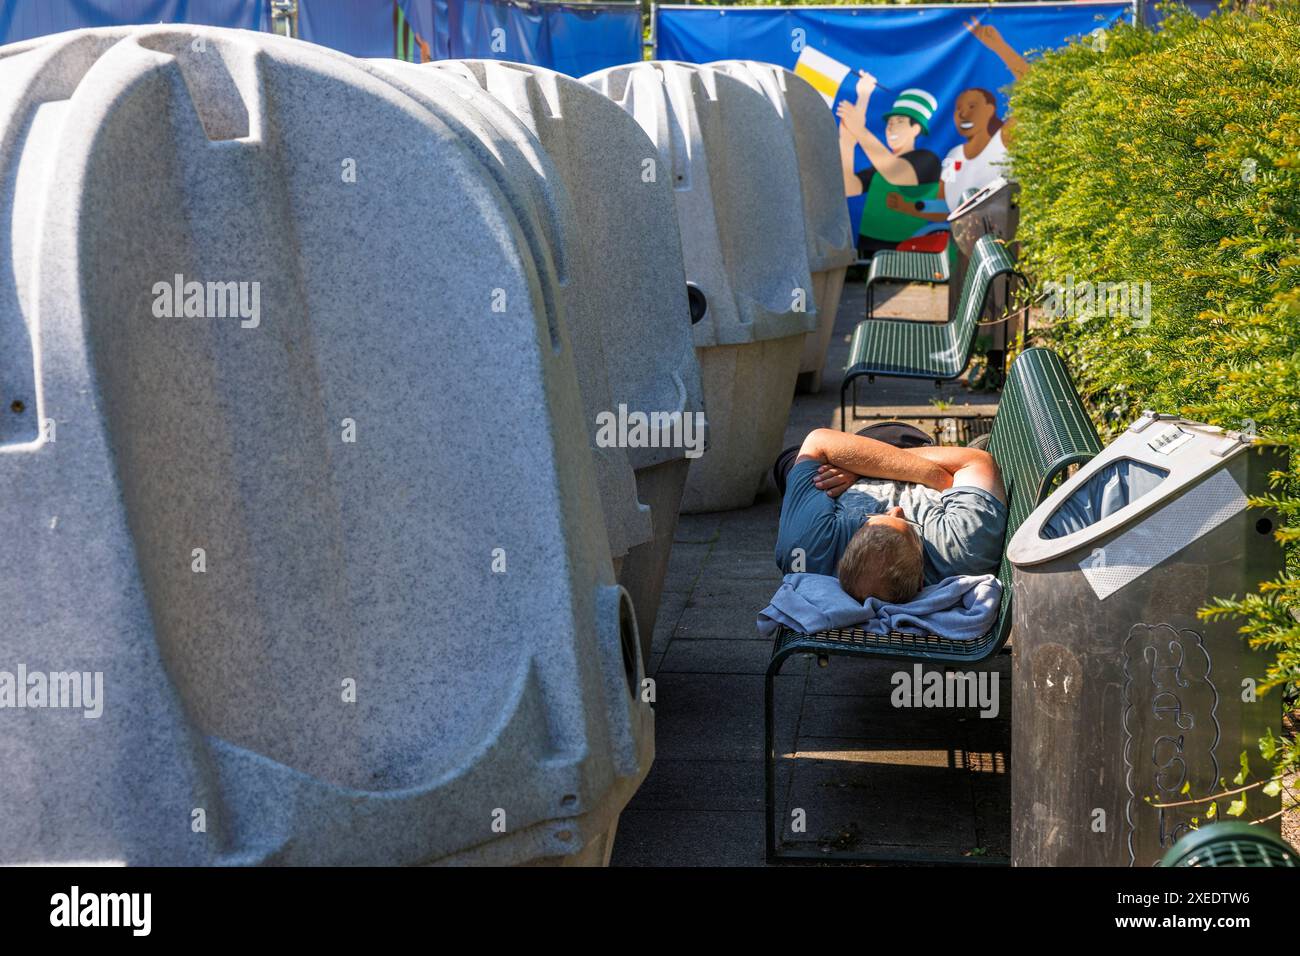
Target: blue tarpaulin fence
[[575, 38], [357, 27], [25, 19]]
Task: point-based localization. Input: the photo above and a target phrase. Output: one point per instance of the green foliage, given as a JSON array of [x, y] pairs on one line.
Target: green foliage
[[1174, 157]]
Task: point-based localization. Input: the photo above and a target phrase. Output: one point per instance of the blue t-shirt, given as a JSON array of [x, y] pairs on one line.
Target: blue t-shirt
[[961, 528]]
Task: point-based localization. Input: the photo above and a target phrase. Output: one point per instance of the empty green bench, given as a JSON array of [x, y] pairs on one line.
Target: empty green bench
[[890, 265], [937, 350], [1040, 430]]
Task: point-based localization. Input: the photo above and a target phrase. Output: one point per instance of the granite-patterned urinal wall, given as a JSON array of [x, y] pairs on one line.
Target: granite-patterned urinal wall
[[735, 173], [294, 540]]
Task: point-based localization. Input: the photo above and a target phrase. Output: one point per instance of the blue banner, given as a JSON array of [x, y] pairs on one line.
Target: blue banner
[[586, 37], [1152, 14], [920, 91], [356, 27], [33, 18], [574, 38]]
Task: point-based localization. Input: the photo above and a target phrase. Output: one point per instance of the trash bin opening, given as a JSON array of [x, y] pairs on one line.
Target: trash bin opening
[[1116, 486]]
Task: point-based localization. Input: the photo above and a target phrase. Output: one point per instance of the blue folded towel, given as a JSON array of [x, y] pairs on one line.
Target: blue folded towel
[[960, 608]]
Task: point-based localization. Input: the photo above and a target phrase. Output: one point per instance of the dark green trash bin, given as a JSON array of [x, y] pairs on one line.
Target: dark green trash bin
[[1231, 844]]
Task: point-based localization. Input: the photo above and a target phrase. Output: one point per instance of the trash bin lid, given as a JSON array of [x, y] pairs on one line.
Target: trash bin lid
[[1191, 456], [985, 193]]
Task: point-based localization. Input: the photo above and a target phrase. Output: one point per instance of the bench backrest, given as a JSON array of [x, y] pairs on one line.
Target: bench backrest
[[988, 260], [1040, 430]]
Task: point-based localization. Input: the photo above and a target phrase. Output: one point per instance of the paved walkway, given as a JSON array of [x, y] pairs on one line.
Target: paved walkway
[[864, 773]]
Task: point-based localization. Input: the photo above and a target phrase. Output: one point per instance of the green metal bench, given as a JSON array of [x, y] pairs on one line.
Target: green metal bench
[[1040, 430], [890, 265], [937, 350]]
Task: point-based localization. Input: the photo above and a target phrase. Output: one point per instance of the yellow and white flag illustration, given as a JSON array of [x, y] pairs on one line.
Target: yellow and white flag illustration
[[823, 73]]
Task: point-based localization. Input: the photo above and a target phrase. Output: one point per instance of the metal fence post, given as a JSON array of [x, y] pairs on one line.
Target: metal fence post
[[284, 17]]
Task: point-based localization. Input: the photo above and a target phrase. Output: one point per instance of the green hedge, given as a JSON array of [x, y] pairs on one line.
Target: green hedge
[[1174, 158]]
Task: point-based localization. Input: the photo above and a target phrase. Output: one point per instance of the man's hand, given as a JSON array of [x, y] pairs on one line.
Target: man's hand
[[866, 85], [991, 38], [986, 34], [834, 481], [853, 119]]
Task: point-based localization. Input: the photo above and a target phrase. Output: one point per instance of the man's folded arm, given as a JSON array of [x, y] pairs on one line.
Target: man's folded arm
[[935, 466], [872, 458], [969, 467]]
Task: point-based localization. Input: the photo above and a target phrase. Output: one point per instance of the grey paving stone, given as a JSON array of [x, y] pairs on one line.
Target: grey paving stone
[[732, 785], [885, 798], [740, 529], [684, 566], [670, 611], [720, 716], [752, 564], [724, 623], [744, 597], [992, 793], [874, 717], [698, 529], [854, 677], [989, 735], [717, 657], [689, 838]]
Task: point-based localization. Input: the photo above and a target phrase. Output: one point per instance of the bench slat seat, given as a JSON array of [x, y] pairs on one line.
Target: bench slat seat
[[893, 265]]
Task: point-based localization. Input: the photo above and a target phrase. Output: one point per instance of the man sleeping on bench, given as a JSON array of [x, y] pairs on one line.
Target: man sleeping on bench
[[889, 520]]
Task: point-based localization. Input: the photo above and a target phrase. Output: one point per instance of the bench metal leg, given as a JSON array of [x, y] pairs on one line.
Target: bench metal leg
[[769, 757], [850, 382]]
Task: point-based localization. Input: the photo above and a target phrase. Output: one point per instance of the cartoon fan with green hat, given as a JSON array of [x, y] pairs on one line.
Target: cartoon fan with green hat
[[897, 165]]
